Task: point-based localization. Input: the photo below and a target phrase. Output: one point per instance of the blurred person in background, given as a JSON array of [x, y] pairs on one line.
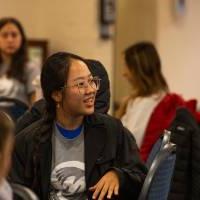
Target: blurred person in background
[[150, 108], [16, 73], [6, 146]]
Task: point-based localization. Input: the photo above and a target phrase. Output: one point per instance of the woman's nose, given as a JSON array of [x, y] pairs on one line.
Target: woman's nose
[[9, 38], [90, 89]]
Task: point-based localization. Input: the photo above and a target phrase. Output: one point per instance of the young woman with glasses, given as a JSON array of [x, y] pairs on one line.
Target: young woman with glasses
[[73, 152]]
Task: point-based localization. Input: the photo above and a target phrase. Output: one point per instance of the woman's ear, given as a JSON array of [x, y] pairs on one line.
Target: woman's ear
[[57, 96]]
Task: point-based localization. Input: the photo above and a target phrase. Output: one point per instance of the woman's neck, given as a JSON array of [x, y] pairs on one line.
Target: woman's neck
[[69, 122]]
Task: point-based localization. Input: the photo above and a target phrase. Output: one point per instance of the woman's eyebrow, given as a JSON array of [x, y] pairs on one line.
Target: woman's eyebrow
[[82, 77]]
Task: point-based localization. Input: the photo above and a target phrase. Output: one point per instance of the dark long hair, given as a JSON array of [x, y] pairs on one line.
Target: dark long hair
[[16, 69], [54, 76], [144, 63]]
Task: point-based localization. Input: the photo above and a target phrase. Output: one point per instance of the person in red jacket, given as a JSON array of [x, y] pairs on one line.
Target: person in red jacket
[[151, 107]]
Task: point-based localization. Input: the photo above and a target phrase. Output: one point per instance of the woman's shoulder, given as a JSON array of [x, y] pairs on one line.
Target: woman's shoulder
[[104, 118], [108, 121], [30, 132], [31, 66], [31, 63]]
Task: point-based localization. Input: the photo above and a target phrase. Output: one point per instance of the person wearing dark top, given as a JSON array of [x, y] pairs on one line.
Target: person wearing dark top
[[73, 152]]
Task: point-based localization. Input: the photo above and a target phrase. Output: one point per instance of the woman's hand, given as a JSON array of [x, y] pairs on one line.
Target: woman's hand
[[107, 185]]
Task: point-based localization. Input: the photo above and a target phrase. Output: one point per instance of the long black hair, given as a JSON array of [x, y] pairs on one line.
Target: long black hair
[[16, 69], [54, 75]]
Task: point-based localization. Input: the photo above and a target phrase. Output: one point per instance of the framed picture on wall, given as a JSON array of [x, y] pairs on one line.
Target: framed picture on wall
[[37, 50]]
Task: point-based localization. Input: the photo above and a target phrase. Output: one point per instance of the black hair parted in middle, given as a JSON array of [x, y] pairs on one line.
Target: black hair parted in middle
[[19, 58]]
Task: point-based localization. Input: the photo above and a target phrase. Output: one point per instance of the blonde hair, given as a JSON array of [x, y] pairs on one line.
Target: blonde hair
[[144, 64]]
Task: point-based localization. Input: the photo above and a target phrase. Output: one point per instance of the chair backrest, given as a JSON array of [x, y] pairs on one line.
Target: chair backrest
[[22, 192], [161, 142], [157, 182], [14, 107]]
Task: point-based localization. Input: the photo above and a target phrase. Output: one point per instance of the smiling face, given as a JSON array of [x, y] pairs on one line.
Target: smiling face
[[10, 39], [77, 98]]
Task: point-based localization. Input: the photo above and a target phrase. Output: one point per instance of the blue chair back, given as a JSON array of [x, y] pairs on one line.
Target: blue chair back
[[157, 183], [161, 142], [14, 107]]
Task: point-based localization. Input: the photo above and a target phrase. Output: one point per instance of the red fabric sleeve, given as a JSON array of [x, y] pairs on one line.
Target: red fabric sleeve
[[161, 119]]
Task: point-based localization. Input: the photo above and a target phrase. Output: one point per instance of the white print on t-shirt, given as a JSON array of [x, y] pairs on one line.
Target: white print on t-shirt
[[68, 178]]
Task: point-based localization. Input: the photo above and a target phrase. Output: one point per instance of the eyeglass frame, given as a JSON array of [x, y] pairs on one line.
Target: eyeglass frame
[[84, 87]]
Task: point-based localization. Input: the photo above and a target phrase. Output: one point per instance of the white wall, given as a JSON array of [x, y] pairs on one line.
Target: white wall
[[136, 20], [73, 26], [175, 36], [179, 45], [68, 25]]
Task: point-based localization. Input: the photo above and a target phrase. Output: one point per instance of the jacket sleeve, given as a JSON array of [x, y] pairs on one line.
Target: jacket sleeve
[[21, 171], [30, 116], [129, 167]]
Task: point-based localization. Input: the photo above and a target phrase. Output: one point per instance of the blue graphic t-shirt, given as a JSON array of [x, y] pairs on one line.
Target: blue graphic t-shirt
[[68, 167]]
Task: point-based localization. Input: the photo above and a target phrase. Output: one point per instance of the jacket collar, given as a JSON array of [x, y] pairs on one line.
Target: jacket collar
[[45, 126], [93, 120]]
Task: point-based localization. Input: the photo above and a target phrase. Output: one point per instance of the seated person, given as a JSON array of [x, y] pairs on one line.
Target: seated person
[[16, 72], [72, 152], [150, 108]]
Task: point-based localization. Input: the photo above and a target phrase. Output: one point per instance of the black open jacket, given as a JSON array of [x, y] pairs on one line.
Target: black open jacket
[[185, 184], [108, 145]]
